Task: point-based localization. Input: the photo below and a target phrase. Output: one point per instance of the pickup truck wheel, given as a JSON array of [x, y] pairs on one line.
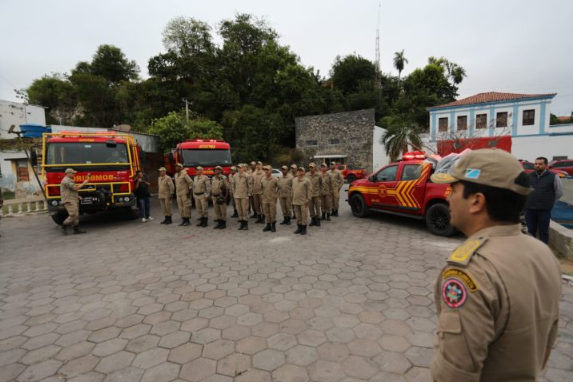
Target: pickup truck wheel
[[358, 206], [59, 218], [438, 220], [350, 178]]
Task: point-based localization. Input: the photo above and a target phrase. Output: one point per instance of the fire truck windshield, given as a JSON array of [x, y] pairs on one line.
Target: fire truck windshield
[[85, 153], [196, 157]]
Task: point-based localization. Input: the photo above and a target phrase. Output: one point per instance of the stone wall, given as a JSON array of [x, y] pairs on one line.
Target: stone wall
[[318, 135]]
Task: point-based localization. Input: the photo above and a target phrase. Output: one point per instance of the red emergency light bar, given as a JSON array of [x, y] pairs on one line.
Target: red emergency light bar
[[414, 155], [205, 140]]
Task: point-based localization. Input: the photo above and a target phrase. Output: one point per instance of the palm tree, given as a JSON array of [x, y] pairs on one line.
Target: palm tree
[[400, 133], [399, 62], [458, 73]]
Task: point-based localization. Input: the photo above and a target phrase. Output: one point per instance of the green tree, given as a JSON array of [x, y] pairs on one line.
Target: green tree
[[188, 37], [350, 72], [57, 94], [110, 63], [401, 132], [399, 62], [174, 128]]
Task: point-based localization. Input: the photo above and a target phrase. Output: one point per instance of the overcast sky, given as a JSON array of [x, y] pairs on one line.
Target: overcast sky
[[511, 46]]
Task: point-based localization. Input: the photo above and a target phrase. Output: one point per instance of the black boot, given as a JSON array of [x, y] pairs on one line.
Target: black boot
[[323, 216], [313, 222], [242, 225], [288, 221], [235, 214], [200, 223], [317, 221], [284, 221], [303, 232], [168, 220], [223, 224], [246, 225], [218, 226], [328, 216], [255, 215], [274, 227], [261, 219], [77, 230], [267, 228], [164, 220], [335, 212], [182, 222], [294, 216], [64, 229], [298, 229], [204, 224], [186, 222]]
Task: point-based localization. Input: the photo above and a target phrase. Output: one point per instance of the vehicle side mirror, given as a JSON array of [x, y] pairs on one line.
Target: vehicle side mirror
[[33, 158], [372, 178]]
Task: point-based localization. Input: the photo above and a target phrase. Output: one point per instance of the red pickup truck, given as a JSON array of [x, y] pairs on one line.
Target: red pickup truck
[[404, 188], [351, 174]]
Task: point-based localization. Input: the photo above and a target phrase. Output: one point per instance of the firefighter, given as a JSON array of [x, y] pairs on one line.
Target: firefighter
[[250, 170], [337, 183], [258, 192], [301, 196], [201, 191], [293, 173], [316, 184], [241, 188], [220, 194], [231, 175], [285, 194], [497, 297], [165, 195], [70, 199], [183, 186], [325, 192], [270, 194]]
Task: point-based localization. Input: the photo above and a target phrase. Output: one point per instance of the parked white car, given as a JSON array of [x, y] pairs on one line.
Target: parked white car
[[277, 173]]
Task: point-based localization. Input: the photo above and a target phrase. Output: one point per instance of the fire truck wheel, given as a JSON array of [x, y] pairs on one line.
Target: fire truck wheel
[[438, 220], [59, 218], [358, 206], [350, 178]]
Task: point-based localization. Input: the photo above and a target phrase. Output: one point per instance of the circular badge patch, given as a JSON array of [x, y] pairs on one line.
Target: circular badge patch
[[454, 293]]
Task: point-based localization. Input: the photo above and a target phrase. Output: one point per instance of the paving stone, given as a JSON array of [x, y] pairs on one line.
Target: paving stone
[[73, 338], [340, 334], [11, 356], [41, 354], [364, 347], [198, 370], [166, 371], [281, 341], [185, 353], [268, 359], [194, 324], [290, 373], [218, 349], [103, 335], [265, 329], [392, 362], [78, 366], [419, 356], [40, 341], [128, 374], [302, 355], [40, 371], [251, 345], [115, 362], [91, 377], [135, 331], [150, 358], [249, 319], [325, 371], [254, 375], [10, 372], [175, 339], [359, 367], [236, 332], [143, 343], [157, 317], [74, 351], [234, 365], [206, 336]]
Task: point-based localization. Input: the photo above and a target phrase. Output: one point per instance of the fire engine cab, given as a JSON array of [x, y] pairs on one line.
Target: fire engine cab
[[404, 188], [207, 153]]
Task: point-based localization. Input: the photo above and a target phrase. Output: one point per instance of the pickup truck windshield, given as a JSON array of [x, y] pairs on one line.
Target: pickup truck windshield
[[85, 153]]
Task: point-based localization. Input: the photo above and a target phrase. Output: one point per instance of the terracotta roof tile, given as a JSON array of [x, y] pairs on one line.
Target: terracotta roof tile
[[482, 98]]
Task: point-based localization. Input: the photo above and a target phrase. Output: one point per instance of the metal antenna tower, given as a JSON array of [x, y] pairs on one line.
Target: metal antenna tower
[[377, 60]]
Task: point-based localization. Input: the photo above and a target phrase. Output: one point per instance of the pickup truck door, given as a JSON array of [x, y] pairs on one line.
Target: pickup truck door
[[412, 186], [385, 185]]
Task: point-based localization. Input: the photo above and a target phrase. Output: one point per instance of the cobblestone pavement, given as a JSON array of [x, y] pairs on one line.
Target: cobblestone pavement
[[351, 301]]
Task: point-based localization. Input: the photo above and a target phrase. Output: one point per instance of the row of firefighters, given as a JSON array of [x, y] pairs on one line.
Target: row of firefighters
[[301, 194]]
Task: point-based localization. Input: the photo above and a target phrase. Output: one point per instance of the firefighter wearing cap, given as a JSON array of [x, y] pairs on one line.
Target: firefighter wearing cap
[[220, 193], [241, 188], [201, 192], [231, 175], [250, 170], [301, 196], [270, 194], [70, 199], [258, 193], [497, 297], [293, 173], [285, 195], [165, 194], [183, 186], [337, 183], [315, 205], [325, 192]]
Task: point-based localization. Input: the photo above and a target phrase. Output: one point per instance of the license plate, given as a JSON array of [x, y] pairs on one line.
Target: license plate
[[87, 201]]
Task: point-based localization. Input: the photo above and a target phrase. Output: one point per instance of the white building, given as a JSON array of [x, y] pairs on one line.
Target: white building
[[15, 113], [524, 117]]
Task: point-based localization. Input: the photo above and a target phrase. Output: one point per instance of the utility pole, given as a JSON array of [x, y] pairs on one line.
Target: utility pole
[[186, 108], [377, 78]]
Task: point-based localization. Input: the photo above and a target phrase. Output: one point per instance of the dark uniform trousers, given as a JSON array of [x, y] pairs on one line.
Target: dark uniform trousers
[[315, 207]]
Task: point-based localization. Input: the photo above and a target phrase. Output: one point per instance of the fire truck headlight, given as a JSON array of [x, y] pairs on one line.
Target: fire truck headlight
[[126, 199], [54, 203], [120, 199]]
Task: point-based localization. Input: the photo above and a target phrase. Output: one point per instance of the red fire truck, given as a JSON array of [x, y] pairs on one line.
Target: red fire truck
[[111, 158], [207, 153]]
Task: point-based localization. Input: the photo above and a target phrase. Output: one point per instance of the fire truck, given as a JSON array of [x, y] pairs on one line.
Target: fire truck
[[110, 158], [404, 188], [207, 153]]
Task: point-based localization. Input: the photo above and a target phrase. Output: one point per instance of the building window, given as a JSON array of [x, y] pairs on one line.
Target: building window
[[22, 173], [311, 143], [334, 141], [356, 140], [529, 117], [501, 120], [443, 124], [481, 121], [462, 123]]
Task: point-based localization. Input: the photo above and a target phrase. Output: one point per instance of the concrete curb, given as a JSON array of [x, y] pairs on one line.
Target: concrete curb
[[561, 240]]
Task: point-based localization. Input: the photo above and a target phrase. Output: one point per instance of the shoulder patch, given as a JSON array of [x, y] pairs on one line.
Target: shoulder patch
[[454, 293], [464, 253], [461, 275]]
